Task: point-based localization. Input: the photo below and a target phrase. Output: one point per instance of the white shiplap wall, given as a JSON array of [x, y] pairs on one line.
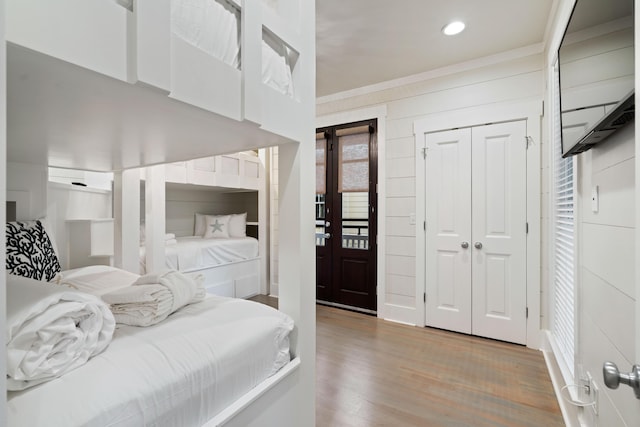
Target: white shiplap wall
[[183, 203], [517, 79], [606, 272]]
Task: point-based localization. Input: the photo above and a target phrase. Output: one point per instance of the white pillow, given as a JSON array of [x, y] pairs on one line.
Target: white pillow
[[238, 225], [217, 226], [199, 225]]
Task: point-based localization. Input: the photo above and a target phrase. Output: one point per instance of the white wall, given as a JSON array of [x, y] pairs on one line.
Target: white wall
[[517, 79], [65, 202], [606, 272], [28, 183], [605, 300], [182, 204], [273, 221], [3, 190]]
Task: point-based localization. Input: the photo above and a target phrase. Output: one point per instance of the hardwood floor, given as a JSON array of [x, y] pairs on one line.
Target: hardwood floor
[[376, 373]]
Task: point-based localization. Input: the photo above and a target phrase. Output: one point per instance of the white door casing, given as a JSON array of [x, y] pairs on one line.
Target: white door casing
[[448, 208], [475, 208]]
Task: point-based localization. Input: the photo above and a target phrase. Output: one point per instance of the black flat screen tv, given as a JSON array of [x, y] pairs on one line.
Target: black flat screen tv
[[596, 70]]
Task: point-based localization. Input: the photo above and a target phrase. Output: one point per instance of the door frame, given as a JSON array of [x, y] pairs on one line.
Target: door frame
[[380, 113], [333, 249], [477, 116]]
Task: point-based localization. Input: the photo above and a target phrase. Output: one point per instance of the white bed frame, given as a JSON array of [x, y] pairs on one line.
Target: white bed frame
[[240, 279], [113, 90]]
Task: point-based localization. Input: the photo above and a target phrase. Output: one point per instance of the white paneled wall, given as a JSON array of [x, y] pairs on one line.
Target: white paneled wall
[[183, 203], [517, 79], [606, 272], [401, 241]]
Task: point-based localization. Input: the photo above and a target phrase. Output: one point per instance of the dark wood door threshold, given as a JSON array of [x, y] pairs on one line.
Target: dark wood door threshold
[[347, 307]]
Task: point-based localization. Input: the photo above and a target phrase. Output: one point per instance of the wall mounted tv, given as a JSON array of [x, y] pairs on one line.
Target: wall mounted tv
[[596, 68]]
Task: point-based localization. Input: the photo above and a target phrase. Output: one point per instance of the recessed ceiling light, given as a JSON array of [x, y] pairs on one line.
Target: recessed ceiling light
[[453, 28]]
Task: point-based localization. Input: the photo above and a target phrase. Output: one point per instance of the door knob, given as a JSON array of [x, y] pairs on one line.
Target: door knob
[[327, 235], [327, 224], [477, 245], [464, 245], [613, 377]]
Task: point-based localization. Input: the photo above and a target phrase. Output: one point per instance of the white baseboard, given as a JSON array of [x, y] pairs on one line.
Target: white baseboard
[[570, 413]]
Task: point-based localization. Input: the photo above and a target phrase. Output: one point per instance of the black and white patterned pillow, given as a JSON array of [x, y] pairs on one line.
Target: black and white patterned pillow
[[30, 252]]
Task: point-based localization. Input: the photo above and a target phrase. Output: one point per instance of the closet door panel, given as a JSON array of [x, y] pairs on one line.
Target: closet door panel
[[499, 231], [448, 213]]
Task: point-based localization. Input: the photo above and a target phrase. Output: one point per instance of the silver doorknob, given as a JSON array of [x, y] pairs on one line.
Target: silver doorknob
[[464, 245], [613, 377], [327, 235], [477, 245], [327, 224]]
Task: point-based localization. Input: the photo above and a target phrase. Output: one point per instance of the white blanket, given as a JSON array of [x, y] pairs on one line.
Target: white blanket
[[97, 279], [195, 252], [153, 297], [180, 372], [51, 330]]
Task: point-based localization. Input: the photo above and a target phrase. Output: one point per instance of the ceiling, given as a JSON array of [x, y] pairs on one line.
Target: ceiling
[[364, 42]]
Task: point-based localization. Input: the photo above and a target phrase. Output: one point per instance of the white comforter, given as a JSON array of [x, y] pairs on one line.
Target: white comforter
[[180, 372], [51, 330]]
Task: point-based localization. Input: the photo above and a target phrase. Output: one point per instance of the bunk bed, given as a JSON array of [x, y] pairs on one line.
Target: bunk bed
[[114, 86], [229, 266], [230, 189]]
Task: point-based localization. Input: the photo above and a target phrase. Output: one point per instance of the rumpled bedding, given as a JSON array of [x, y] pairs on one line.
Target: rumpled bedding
[[209, 25], [51, 330], [181, 372], [153, 297], [195, 252]]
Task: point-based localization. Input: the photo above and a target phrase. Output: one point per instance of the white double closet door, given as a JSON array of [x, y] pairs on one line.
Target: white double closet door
[[476, 231]]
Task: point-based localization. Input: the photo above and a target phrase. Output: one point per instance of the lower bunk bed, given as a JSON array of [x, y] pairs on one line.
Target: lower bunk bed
[[220, 251], [205, 364]]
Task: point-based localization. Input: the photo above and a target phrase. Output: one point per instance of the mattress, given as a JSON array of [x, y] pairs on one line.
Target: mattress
[[182, 371], [195, 252]]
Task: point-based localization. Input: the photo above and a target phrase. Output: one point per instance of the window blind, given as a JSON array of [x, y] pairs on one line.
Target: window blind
[[563, 265], [353, 158]]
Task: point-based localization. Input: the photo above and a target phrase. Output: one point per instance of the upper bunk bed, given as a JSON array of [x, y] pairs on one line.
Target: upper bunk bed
[[97, 75], [112, 86]]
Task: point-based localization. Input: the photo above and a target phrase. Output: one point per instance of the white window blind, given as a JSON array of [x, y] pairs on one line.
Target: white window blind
[[563, 246], [353, 168]]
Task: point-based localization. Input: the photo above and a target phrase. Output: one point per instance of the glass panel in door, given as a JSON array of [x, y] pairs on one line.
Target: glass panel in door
[[355, 220]]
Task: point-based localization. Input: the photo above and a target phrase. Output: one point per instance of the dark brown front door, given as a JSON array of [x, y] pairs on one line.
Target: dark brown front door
[[346, 212]]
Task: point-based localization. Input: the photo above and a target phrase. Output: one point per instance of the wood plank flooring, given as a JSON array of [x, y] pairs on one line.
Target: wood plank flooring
[[376, 373]]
